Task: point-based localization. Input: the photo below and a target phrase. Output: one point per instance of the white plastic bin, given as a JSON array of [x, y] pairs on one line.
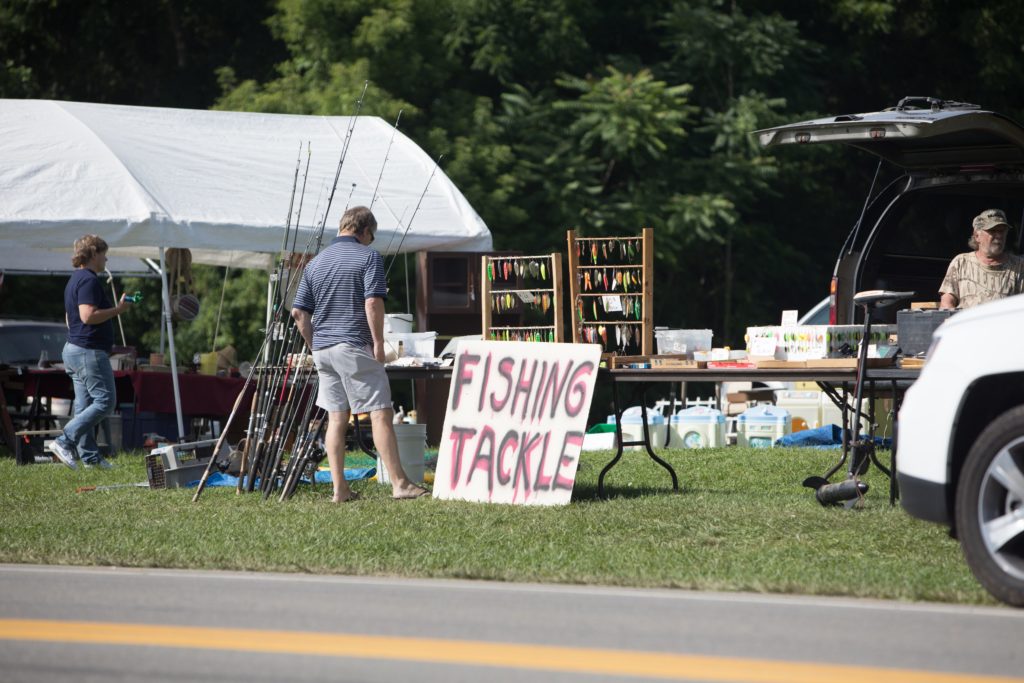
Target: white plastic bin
[[400, 323], [416, 344], [412, 445], [760, 426], [633, 427], [697, 427], [804, 408]]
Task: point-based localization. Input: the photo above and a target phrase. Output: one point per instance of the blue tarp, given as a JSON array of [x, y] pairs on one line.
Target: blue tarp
[[829, 436], [322, 477]]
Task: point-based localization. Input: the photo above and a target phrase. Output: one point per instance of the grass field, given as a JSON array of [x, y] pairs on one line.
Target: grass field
[[741, 522]]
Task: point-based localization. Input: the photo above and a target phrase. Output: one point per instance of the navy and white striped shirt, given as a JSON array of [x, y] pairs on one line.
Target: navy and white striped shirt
[[334, 288]]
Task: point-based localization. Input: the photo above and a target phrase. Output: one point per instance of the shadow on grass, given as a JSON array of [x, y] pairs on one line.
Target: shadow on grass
[[588, 492]]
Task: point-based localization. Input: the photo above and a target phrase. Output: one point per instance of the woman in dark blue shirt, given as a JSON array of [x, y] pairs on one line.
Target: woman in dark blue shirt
[[88, 313]]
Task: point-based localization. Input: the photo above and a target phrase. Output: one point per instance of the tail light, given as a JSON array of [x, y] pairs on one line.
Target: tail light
[[833, 289]]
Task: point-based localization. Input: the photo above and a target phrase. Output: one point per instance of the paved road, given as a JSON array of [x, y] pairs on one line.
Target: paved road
[[103, 624]]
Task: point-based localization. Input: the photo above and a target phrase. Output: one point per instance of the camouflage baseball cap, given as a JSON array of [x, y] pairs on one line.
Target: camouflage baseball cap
[[990, 218]]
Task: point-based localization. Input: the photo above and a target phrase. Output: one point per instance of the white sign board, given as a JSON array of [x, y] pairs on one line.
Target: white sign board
[[515, 420]]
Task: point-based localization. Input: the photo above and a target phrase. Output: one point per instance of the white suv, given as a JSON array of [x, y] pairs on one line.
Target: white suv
[[960, 456]]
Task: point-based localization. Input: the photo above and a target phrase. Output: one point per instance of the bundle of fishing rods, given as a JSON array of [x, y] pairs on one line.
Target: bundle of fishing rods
[[284, 435]]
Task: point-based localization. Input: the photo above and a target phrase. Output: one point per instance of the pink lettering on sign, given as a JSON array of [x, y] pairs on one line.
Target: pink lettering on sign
[[518, 439]]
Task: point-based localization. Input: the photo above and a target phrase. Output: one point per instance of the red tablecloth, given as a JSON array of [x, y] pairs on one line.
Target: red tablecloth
[[201, 395]]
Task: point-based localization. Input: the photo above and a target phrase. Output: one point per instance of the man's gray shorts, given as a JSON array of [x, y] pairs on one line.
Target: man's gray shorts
[[351, 379]]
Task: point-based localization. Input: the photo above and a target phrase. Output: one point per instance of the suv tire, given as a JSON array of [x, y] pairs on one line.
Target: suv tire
[[992, 487]]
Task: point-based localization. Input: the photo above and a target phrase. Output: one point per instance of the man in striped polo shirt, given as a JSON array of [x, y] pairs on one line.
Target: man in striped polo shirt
[[339, 309]]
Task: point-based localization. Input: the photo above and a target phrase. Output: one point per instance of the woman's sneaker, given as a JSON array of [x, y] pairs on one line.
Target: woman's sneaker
[[97, 464], [64, 453]]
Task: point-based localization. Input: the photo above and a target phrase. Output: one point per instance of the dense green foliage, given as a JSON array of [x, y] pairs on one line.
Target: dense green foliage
[[741, 522], [605, 117]]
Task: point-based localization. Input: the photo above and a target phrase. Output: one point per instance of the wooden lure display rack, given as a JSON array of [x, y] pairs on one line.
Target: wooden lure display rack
[[507, 288], [621, 268]]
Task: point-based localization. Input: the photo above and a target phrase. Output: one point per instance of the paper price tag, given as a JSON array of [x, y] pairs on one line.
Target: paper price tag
[[612, 304], [762, 346], [526, 297], [789, 318]]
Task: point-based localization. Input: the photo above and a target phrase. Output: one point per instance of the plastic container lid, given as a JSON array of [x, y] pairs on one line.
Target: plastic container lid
[[764, 413], [653, 418], [698, 414]]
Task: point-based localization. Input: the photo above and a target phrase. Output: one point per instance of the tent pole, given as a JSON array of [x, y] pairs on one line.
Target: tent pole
[[170, 340]]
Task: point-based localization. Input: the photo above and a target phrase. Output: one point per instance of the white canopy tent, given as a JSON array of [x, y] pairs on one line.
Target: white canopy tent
[[21, 260], [210, 180], [215, 182]]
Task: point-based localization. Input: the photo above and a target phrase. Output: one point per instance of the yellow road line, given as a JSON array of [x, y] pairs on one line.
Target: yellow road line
[[632, 664]]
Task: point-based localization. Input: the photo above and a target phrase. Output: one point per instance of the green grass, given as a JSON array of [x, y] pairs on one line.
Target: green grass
[[741, 522]]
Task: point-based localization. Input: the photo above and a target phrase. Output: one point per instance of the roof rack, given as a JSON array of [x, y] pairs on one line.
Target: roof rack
[[933, 103]]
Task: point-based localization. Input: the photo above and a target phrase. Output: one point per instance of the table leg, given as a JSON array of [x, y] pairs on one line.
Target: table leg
[[617, 408], [6, 424], [841, 402], [360, 441], [646, 442]]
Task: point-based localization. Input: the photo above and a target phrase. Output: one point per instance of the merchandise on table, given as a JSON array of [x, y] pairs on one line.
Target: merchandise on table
[[415, 344], [803, 342], [916, 329], [682, 341]]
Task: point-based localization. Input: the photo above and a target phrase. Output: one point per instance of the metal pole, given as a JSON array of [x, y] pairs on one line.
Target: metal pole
[[170, 339]]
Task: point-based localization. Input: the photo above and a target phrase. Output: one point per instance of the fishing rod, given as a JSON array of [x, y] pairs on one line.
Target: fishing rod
[[344, 150], [256, 369], [224, 430], [305, 177], [387, 250], [348, 202], [297, 398], [303, 428], [263, 413], [113, 292], [298, 216], [275, 333], [269, 409], [413, 216], [303, 455], [387, 155]]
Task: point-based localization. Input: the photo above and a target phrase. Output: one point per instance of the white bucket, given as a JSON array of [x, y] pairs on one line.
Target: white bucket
[[398, 322], [412, 444]]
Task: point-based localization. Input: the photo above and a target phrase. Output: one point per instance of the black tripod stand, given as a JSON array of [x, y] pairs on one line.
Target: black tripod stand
[[859, 451]]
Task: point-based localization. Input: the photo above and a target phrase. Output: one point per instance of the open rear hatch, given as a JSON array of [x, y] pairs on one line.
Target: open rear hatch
[[919, 133]]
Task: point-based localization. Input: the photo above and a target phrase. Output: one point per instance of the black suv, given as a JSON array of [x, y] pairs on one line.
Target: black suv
[[954, 160], [22, 342]]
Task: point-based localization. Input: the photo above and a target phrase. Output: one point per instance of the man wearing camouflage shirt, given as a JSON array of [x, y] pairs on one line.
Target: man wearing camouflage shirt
[[987, 273]]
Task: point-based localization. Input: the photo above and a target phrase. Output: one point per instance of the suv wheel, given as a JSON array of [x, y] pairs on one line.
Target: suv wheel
[[990, 508]]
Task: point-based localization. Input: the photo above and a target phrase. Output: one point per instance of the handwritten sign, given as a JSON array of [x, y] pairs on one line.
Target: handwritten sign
[[515, 419]]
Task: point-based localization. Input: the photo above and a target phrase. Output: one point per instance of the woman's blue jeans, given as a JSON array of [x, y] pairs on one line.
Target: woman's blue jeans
[[95, 394]]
